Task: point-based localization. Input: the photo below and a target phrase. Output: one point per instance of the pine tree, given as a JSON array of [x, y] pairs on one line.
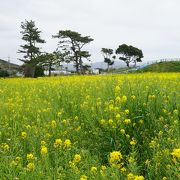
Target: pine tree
[[74, 42], [31, 35]]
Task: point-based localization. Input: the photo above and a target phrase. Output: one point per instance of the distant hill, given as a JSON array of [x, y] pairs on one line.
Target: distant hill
[[170, 66], [10, 67]]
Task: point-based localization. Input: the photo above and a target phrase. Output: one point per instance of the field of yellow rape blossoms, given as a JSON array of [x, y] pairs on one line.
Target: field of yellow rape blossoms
[[91, 127]]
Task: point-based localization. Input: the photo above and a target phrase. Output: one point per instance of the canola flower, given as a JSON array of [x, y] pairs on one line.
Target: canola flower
[[118, 116], [53, 124], [77, 158], [139, 178], [123, 169], [57, 143], [131, 176], [67, 143], [118, 99], [5, 147], [103, 170], [115, 157], [102, 121], [93, 169], [141, 121], [44, 150], [126, 111], [133, 97], [23, 135], [83, 177], [176, 153], [124, 98], [122, 131], [30, 166], [17, 159], [30, 157], [127, 121], [133, 142], [110, 121]]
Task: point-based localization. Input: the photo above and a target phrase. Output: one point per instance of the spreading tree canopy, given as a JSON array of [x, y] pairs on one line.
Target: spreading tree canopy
[[129, 54], [74, 42]]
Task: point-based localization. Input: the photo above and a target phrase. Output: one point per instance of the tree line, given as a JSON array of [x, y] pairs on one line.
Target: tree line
[[70, 49]]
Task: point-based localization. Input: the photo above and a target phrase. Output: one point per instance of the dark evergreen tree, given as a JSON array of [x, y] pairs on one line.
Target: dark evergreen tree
[[39, 71], [50, 60], [31, 35]]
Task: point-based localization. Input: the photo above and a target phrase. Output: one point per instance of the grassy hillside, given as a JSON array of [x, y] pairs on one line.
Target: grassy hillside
[[172, 66]]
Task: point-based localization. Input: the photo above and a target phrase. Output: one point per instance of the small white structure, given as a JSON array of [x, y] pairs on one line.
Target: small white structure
[[57, 72]]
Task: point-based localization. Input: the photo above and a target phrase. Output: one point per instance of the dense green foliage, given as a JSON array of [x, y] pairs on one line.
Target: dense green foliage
[[39, 71]]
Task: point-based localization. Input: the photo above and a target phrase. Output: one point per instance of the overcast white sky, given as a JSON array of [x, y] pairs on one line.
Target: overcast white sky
[[151, 25]]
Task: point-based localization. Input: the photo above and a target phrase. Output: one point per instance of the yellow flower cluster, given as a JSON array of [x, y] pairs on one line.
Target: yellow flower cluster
[[30, 157], [134, 177], [115, 157], [176, 153], [5, 147], [133, 142], [57, 143], [127, 121], [77, 158], [30, 166], [53, 124], [67, 143], [83, 177], [44, 150], [23, 135], [93, 169]]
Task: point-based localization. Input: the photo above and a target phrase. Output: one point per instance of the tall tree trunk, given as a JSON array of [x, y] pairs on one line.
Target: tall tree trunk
[[29, 70], [77, 66], [80, 63], [50, 69]]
